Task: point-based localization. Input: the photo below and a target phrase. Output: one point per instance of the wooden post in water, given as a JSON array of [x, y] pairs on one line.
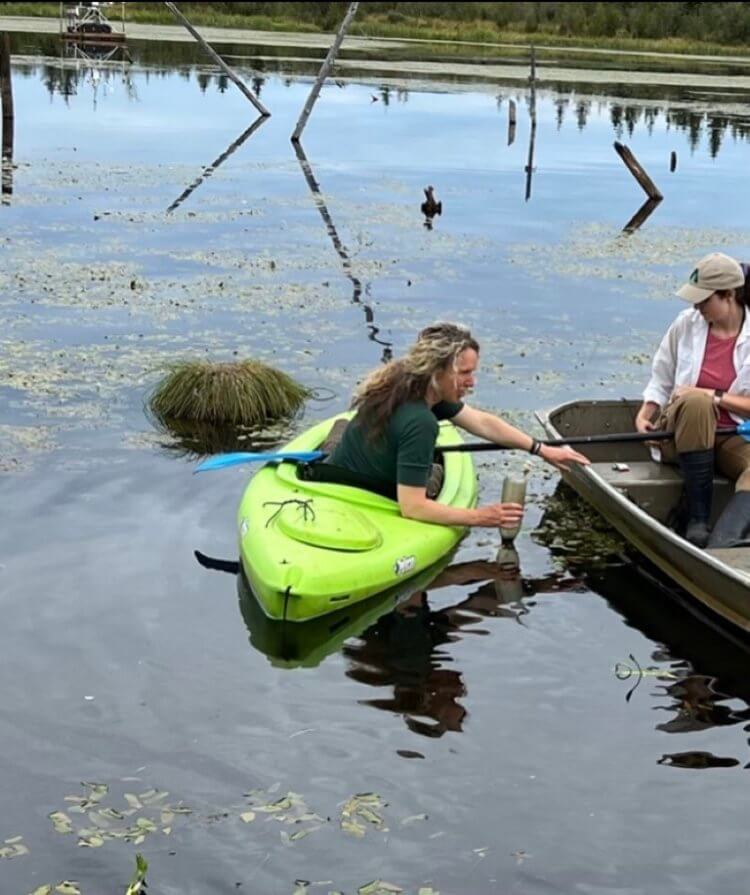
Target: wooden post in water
[[511, 121], [532, 133], [673, 162], [631, 162], [218, 60], [325, 69], [6, 94]]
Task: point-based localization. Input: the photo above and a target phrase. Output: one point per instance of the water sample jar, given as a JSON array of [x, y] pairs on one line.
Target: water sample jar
[[514, 491]]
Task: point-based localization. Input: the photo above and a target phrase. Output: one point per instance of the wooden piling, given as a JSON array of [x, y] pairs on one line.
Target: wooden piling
[[6, 100], [637, 171], [673, 162], [6, 92], [532, 132], [218, 60], [325, 69]]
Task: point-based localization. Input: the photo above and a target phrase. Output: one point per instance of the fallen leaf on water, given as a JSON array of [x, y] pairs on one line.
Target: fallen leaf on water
[[67, 888], [378, 887], [61, 822], [413, 819], [13, 848]]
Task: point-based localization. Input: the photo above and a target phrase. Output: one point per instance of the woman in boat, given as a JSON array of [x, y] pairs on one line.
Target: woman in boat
[[700, 380], [391, 440]]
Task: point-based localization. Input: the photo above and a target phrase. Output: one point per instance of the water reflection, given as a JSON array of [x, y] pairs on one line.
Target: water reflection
[[404, 651], [396, 640], [699, 666], [209, 169], [341, 251], [698, 114]]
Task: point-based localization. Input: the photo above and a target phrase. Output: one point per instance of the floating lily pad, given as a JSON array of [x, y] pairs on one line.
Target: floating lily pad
[[360, 811], [13, 848], [379, 887]]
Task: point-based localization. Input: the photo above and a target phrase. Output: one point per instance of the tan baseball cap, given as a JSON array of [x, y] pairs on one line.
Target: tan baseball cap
[[714, 272]]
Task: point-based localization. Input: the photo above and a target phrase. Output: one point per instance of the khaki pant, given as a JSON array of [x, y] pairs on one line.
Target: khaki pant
[[693, 418]]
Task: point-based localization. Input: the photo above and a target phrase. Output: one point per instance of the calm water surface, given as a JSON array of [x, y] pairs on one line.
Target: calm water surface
[[501, 720]]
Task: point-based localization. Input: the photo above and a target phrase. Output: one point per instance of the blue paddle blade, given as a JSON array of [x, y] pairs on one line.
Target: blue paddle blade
[[221, 461], [744, 430]]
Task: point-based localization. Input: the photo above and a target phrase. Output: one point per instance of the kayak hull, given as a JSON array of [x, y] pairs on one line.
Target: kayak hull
[[311, 548]]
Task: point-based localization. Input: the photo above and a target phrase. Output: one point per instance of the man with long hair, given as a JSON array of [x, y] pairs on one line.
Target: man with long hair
[[391, 440]]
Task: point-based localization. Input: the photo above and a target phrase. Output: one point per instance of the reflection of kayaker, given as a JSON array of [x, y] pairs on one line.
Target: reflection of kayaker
[[402, 650]]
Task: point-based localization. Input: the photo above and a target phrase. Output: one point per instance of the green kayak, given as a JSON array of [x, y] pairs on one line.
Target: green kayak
[[311, 548]]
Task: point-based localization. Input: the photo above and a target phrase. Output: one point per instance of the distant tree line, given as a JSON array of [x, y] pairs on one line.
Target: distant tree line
[[727, 23]]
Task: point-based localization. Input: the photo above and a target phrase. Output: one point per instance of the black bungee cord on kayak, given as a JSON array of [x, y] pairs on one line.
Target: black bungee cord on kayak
[[305, 504]]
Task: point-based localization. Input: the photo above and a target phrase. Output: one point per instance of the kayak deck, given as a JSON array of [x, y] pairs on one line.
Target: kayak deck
[[310, 548]]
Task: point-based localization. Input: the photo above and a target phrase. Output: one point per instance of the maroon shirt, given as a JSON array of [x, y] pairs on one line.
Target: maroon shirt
[[717, 370]]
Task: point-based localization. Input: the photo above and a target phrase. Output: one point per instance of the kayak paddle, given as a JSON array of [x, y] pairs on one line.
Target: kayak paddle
[[221, 461], [743, 429]]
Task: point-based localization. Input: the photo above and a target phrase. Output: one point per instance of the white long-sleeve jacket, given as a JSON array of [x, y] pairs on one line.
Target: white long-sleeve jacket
[[679, 357]]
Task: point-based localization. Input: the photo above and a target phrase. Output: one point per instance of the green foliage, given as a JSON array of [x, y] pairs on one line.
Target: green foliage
[[680, 25], [247, 393], [138, 880]]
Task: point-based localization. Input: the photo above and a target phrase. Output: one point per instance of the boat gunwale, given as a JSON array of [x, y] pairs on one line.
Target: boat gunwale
[[631, 508]]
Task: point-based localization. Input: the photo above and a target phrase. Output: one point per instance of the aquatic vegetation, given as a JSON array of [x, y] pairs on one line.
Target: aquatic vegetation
[[138, 881], [246, 392], [13, 848]]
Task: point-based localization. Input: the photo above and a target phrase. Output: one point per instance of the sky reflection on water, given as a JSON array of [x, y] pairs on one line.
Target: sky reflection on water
[[502, 720]]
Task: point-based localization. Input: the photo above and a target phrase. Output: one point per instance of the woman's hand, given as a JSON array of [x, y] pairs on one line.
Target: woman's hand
[[499, 515], [643, 424], [562, 457]]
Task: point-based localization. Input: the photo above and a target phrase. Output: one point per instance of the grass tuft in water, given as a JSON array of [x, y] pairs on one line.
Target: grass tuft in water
[[248, 393]]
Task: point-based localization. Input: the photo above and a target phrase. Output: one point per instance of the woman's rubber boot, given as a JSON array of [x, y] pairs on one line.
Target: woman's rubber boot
[[698, 471], [733, 526]]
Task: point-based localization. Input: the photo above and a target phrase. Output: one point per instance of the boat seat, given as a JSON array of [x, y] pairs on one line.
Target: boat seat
[[655, 487], [736, 557]]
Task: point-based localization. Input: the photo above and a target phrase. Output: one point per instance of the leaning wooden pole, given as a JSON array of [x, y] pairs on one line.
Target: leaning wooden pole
[[218, 60], [631, 162], [325, 69], [6, 92]]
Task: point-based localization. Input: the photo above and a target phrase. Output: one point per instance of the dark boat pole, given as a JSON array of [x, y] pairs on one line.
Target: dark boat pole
[[615, 437]]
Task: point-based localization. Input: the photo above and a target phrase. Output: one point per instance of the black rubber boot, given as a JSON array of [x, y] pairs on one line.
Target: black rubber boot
[[698, 470], [733, 526]]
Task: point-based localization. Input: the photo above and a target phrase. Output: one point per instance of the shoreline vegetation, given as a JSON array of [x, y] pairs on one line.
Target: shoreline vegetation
[[718, 29]]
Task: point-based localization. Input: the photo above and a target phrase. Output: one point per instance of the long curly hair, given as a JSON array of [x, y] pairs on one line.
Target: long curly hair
[[437, 348]]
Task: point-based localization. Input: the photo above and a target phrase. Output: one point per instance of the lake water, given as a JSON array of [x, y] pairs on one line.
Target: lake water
[[493, 719]]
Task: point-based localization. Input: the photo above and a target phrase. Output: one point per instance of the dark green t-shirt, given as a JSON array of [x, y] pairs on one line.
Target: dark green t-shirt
[[403, 453]]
